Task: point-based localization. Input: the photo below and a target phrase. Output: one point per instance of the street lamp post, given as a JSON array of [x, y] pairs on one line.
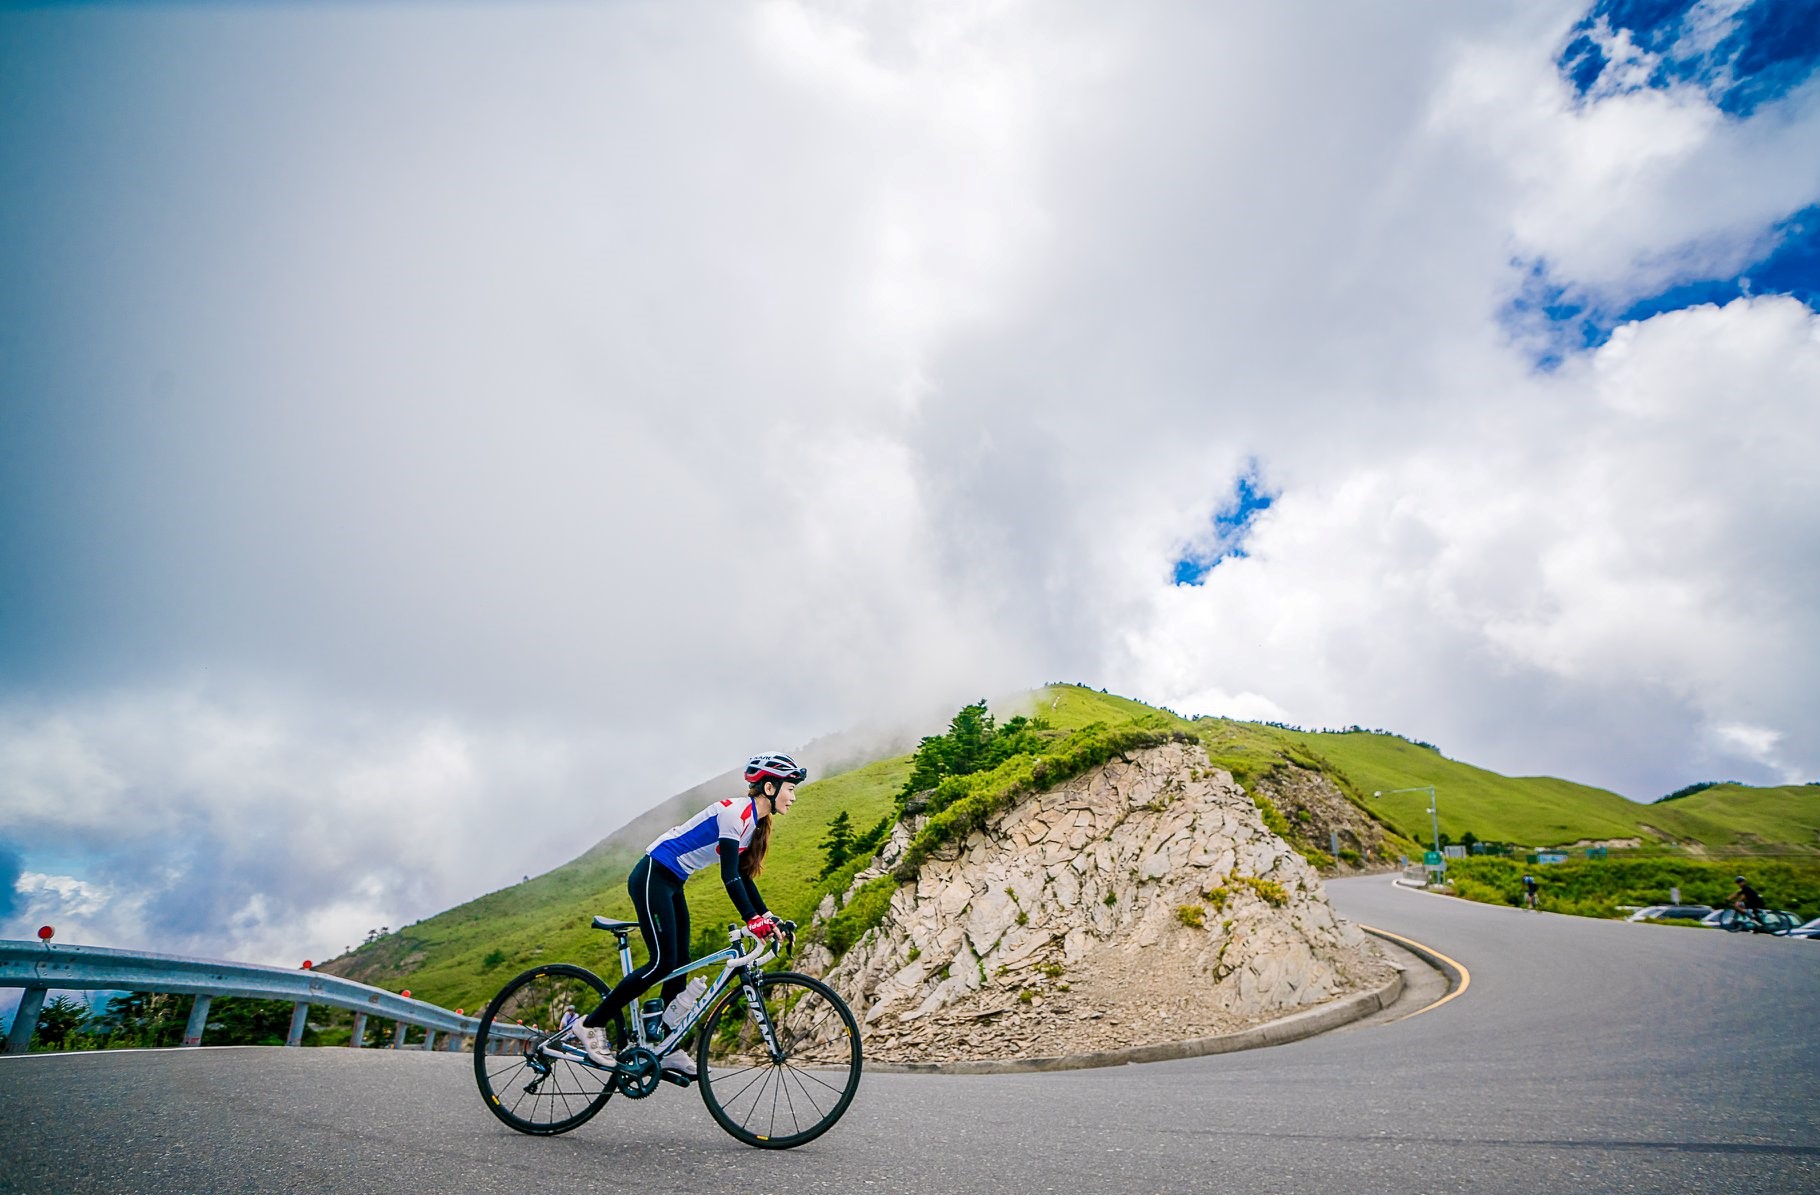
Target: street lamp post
[[1434, 819]]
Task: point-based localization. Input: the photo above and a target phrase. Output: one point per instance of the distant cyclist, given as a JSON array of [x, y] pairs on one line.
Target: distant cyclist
[[1529, 891], [1748, 901], [738, 832]]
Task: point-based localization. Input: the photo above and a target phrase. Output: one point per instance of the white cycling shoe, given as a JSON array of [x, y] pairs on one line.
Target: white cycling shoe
[[593, 1043], [679, 1063]]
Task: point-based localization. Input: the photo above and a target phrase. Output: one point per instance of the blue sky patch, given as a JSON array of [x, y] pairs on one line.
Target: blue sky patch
[[1742, 53], [11, 868], [1231, 524], [1560, 320]]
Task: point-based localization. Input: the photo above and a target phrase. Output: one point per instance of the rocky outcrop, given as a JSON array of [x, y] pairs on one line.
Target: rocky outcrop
[[1142, 902], [1318, 812]]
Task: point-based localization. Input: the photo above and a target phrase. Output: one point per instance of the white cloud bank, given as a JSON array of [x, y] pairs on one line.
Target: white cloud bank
[[271, 830], [450, 430]]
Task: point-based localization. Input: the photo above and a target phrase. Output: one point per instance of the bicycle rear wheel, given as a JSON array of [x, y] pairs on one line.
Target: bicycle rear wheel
[[787, 1090], [543, 1091]]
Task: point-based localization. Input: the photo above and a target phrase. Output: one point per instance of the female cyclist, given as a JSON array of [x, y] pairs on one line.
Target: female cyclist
[[738, 832]]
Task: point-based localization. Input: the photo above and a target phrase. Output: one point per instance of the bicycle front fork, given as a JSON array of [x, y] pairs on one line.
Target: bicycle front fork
[[755, 1005]]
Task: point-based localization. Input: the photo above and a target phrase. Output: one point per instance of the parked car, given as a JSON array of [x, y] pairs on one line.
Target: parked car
[[1810, 929], [1679, 912]]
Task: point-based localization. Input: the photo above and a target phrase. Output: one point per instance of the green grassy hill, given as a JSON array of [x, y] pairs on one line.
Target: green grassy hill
[[460, 957], [1536, 811], [1739, 819], [1528, 810]]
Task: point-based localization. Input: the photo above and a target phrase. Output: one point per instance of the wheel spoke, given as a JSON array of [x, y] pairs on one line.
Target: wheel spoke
[[811, 1077]]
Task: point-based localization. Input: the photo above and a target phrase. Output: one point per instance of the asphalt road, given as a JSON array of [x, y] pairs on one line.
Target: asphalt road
[[1583, 1056]]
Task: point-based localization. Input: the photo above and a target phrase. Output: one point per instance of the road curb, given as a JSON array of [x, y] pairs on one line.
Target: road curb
[[1293, 1027], [1440, 962]]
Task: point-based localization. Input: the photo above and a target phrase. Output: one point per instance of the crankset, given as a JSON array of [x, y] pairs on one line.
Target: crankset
[[637, 1072]]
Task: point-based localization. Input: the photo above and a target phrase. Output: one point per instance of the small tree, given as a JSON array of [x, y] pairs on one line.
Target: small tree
[[242, 1021], [837, 844], [147, 1019], [973, 743], [60, 1018], [868, 843]]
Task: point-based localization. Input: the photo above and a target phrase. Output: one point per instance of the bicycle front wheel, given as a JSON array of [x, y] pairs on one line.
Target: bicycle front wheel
[[539, 1090], [779, 1060]]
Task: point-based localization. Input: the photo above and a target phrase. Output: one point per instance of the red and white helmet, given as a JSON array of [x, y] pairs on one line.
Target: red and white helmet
[[777, 767]]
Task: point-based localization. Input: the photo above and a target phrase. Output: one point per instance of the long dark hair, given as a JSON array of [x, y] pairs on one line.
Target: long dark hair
[[752, 859]]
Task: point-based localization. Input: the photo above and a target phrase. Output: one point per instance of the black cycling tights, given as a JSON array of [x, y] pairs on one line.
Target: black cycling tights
[[663, 919]]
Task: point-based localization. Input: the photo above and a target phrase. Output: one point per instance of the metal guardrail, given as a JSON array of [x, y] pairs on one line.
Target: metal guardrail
[[40, 967]]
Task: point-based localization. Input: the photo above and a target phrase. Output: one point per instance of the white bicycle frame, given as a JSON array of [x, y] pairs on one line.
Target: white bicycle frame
[[734, 962]]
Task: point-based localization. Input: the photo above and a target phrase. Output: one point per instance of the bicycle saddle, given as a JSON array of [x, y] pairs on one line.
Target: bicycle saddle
[[615, 926]]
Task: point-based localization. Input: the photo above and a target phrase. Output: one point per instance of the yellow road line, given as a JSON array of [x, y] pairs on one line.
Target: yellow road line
[[1465, 975]]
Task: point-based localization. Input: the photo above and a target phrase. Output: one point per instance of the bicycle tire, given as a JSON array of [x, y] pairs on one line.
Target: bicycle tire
[[804, 1087], [559, 1093]]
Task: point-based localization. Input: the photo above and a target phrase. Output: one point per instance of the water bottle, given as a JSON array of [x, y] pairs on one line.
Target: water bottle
[[652, 1011], [684, 1004]]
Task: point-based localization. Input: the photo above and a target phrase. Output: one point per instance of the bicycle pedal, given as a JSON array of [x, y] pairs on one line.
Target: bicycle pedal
[[679, 1080]]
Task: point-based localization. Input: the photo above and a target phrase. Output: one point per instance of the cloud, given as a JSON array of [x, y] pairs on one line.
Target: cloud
[[438, 418], [1630, 188], [1649, 554], [244, 826], [52, 897]]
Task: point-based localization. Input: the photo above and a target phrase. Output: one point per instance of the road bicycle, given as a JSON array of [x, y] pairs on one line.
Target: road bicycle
[[1757, 921], [777, 1053]]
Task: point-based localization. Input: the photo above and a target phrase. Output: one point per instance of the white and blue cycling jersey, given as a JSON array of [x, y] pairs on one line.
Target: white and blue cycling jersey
[[688, 848]]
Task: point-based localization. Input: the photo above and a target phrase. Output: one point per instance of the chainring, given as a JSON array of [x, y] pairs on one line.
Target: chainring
[[637, 1072]]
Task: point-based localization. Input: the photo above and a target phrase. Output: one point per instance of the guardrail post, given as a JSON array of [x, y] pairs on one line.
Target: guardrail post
[[25, 1021], [360, 1031], [398, 1037], [429, 1041], [199, 1020], [300, 1015]]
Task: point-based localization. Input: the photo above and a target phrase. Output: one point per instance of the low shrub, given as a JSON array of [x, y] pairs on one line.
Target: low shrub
[[1273, 817], [1598, 887], [964, 804], [863, 911], [1272, 892], [1269, 891], [1317, 858]]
